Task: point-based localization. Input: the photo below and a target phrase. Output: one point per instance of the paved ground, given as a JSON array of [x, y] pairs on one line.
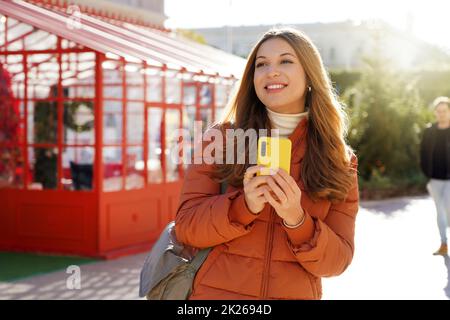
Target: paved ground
[[393, 260], [114, 279]]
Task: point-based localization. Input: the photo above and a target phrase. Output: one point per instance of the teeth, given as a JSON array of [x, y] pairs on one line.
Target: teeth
[[275, 86]]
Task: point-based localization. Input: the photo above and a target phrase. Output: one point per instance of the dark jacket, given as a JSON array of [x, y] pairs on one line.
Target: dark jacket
[[426, 151]]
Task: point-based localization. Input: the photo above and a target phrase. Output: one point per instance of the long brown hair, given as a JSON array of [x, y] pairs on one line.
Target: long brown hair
[[326, 165]]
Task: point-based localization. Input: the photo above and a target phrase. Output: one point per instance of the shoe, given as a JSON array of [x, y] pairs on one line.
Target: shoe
[[442, 251]]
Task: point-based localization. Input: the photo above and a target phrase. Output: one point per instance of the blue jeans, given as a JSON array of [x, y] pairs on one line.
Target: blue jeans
[[440, 192]]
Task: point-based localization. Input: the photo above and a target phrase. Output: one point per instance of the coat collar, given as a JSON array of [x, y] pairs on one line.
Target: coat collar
[[298, 139]]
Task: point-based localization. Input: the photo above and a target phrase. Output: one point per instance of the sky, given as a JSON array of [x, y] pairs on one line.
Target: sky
[[431, 18]]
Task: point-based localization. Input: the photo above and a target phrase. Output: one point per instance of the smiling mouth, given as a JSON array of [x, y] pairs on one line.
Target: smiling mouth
[[274, 88]]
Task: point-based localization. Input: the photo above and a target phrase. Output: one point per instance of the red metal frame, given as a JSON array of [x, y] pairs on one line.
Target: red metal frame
[[163, 125], [145, 149], [60, 110], [95, 222], [25, 102], [98, 111], [124, 123], [180, 166]]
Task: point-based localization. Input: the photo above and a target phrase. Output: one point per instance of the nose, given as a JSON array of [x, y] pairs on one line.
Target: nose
[[272, 72]]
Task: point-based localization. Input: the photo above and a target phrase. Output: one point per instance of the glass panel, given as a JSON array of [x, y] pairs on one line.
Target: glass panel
[[3, 22], [66, 43], [135, 122], [173, 90], [79, 74], [189, 94], [79, 122], [14, 64], [221, 94], [135, 82], [78, 167], [42, 122], [43, 73], [112, 122], [82, 90], [18, 89], [154, 85], [154, 145], [172, 124], [188, 123], [43, 168], [219, 112], [11, 167], [40, 40], [135, 168], [205, 95], [16, 29], [206, 117], [39, 89], [112, 79], [9, 63], [189, 119], [112, 170]]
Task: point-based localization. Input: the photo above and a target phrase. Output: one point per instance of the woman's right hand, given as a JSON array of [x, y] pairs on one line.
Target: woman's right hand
[[254, 187]]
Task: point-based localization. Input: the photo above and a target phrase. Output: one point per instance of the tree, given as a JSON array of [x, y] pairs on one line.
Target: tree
[[386, 119]]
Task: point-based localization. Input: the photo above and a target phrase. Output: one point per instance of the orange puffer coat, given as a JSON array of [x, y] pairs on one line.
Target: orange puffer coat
[[256, 256]]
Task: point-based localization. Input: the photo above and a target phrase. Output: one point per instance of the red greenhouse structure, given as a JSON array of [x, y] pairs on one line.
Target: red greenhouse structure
[[88, 103]]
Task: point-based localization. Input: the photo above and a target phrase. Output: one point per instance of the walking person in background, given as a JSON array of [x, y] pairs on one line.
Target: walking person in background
[[275, 236], [435, 163]]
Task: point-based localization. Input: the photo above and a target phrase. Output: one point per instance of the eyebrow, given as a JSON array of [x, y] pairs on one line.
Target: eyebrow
[[283, 54]]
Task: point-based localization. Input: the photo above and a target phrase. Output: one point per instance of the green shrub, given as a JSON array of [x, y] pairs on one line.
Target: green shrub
[[387, 118]]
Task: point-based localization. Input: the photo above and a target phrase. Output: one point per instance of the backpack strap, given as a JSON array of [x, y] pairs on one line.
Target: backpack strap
[[199, 258]]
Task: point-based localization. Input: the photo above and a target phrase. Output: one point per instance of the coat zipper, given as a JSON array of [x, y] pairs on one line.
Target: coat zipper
[[268, 255]]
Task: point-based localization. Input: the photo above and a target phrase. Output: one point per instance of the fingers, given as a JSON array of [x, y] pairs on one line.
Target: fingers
[[256, 182], [250, 173], [285, 187], [277, 190], [261, 199], [288, 181], [256, 198], [280, 177], [257, 192], [270, 199]]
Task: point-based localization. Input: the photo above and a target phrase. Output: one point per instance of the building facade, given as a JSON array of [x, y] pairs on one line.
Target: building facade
[[343, 45]]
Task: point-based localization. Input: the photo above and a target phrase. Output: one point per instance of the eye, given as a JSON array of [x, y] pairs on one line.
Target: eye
[[286, 61], [260, 64]]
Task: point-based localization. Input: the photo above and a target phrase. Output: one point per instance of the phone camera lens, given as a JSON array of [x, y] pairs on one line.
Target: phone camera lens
[[263, 148]]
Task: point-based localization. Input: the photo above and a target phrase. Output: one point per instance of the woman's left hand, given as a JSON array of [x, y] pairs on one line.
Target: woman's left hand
[[287, 206]]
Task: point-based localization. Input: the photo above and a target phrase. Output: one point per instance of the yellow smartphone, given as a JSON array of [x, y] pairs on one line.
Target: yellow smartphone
[[274, 153]]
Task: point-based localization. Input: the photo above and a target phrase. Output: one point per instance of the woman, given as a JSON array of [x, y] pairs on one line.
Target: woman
[[275, 236]]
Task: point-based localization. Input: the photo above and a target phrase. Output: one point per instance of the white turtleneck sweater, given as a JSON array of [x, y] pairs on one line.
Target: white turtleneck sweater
[[285, 122]]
